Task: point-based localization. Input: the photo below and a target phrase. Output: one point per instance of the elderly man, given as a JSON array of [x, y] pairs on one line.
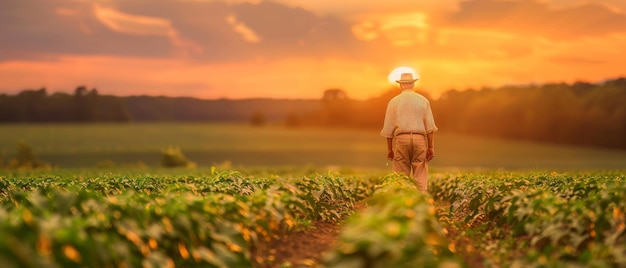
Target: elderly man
[[409, 122]]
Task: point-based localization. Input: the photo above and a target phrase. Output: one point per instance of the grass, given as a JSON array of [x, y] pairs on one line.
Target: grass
[[71, 145]]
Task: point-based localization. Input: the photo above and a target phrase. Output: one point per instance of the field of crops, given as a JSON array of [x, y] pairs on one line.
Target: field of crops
[[211, 218], [536, 219], [125, 220], [205, 220]]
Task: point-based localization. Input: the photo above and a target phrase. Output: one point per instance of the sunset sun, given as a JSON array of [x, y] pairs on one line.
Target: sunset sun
[[397, 72]]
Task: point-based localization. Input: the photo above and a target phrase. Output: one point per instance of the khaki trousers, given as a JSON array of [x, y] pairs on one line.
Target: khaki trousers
[[410, 155]]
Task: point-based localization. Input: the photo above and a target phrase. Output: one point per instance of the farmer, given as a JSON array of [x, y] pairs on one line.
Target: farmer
[[409, 122]]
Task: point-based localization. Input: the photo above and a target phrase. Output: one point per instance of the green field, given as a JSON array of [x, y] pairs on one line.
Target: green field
[[212, 218], [69, 145]]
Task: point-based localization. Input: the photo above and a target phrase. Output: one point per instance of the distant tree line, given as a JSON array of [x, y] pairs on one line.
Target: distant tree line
[[580, 113], [83, 106], [87, 106]]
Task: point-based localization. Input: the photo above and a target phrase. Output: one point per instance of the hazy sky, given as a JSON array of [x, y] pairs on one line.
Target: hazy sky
[[298, 48]]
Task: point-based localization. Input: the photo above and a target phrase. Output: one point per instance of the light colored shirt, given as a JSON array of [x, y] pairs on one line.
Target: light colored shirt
[[408, 112]]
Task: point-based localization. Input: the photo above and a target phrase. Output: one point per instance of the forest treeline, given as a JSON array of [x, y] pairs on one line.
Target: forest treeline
[[578, 113], [88, 106]]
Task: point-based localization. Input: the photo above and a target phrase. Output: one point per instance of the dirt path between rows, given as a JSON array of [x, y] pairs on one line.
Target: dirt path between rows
[[301, 248]]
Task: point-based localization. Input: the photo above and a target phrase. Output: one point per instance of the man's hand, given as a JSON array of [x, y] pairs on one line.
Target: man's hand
[[390, 154], [430, 153]]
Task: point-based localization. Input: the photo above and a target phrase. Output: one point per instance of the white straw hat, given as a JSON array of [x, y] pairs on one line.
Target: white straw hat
[[406, 78]]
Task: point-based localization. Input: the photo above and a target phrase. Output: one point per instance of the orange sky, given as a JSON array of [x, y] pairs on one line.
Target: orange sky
[[298, 48]]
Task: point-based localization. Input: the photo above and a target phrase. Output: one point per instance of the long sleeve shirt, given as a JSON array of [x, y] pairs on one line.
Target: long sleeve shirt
[[408, 112]]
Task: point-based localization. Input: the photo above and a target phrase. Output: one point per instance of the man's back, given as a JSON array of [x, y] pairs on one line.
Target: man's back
[[408, 112]]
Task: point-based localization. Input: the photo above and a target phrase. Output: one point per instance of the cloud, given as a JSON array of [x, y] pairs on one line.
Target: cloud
[[132, 24], [297, 32], [400, 30], [246, 33], [538, 19], [38, 28], [204, 31]]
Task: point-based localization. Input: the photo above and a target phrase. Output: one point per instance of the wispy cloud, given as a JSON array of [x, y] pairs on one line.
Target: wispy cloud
[[246, 33], [133, 24]]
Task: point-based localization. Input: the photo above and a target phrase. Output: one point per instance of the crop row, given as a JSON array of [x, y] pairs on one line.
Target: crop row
[[398, 228], [562, 219], [152, 221]]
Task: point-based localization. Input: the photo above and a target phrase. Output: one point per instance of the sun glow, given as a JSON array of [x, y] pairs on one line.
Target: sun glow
[[397, 72]]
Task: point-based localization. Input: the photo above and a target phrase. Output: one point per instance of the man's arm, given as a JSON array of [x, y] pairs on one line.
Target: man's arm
[[430, 153], [390, 148]]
